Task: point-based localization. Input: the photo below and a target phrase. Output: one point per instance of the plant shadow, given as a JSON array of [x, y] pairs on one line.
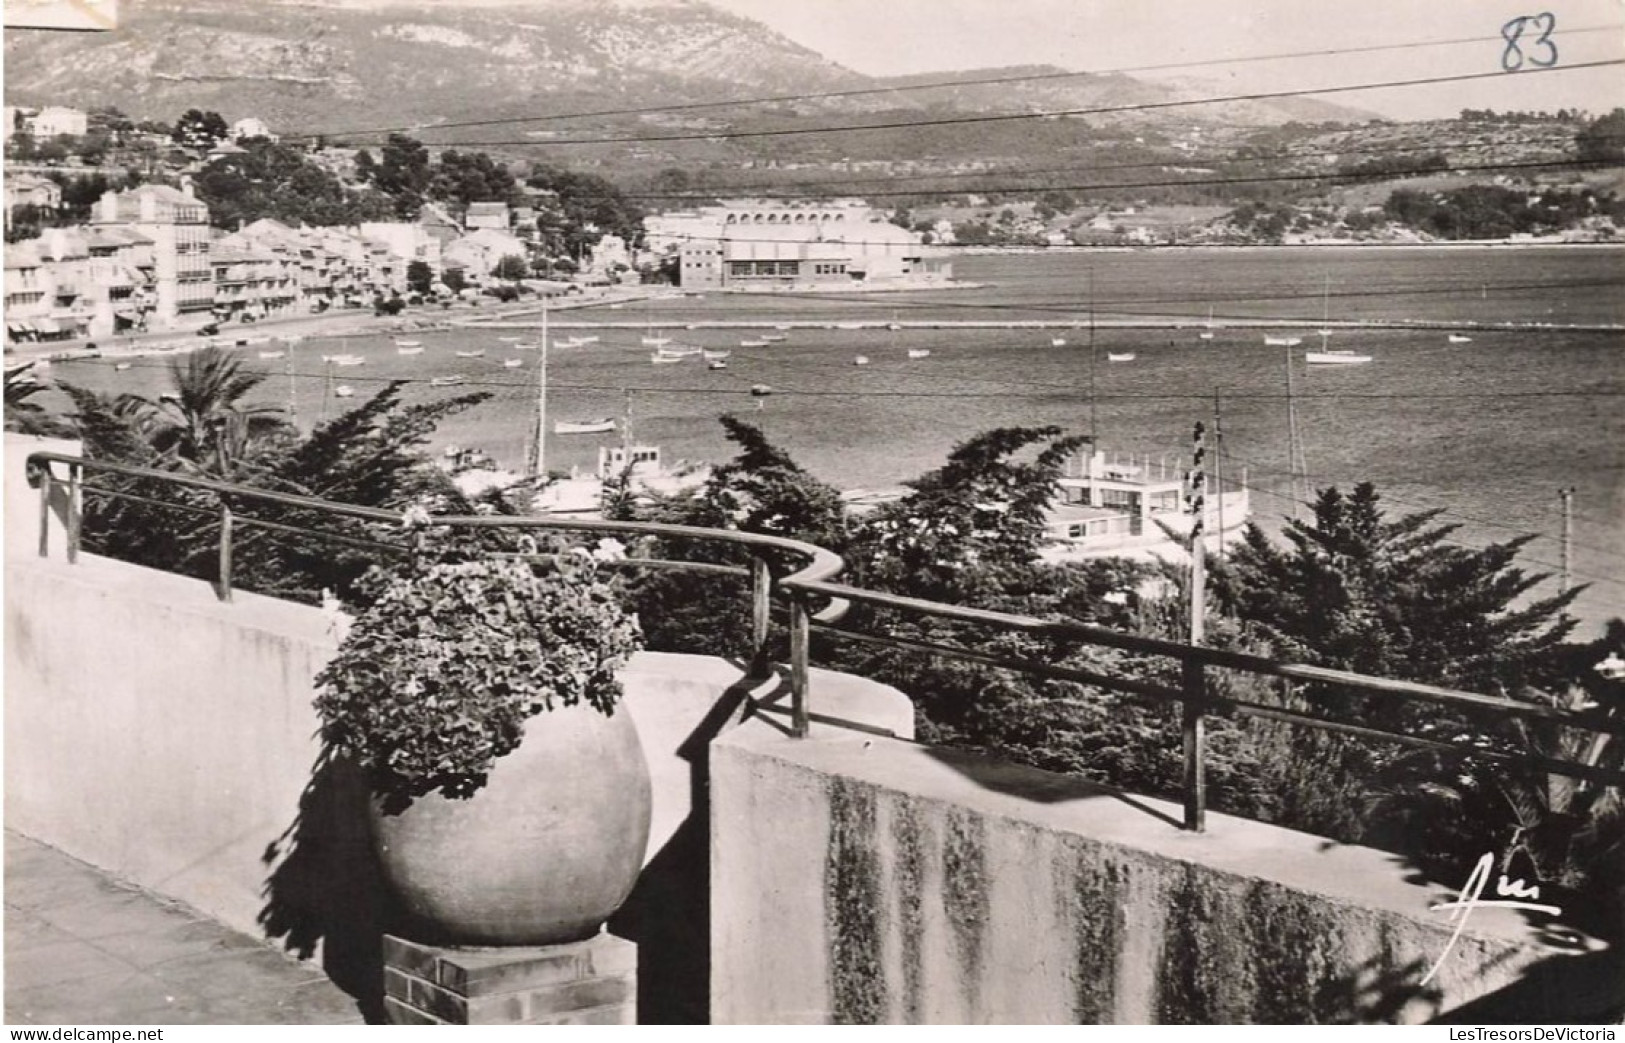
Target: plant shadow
[[324, 888]]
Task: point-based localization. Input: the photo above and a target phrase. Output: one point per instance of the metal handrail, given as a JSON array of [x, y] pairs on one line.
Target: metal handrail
[[814, 582]]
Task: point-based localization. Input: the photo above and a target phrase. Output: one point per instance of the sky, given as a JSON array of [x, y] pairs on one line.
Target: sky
[[883, 37]]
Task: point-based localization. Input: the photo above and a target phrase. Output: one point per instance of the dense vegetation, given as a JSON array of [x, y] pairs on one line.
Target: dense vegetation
[[1353, 589]]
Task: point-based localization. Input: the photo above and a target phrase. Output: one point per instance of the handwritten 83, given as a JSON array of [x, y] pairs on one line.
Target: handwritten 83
[[1542, 52]]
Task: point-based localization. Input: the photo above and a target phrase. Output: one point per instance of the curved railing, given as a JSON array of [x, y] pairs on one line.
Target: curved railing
[[813, 584]]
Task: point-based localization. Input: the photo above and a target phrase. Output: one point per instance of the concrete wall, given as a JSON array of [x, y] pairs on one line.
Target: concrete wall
[[858, 879], [167, 737]]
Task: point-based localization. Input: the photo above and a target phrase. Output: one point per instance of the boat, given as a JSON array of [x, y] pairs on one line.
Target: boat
[[753, 344], [1283, 342], [476, 353], [894, 326], [507, 340], [1334, 357], [513, 363], [1205, 335], [121, 365], [678, 353], [525, 346], [861, 360], [343, 391], [1057, 342], [918, 353], [343, 360], [660, 360], [852, 326], [656, 342], [615, 307], [408, 343], [583, 427], [586, 340], [1323, 333], [1457, 338], [781, 326], [272, 354], [446, 382], [772, 338], [716, 364], [711, 356], [408, 351], [761, 390], [1126, 356]]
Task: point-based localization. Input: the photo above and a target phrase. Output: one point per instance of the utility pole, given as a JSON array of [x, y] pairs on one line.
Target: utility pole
[[1196, 503], [1567, 494], [1094, 440], [1218, 466], [538, 462], [1292, 450], [1192, 684], [293, 391]]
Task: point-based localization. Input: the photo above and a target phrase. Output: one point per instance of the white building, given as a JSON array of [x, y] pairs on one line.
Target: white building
[[478, 252], [251, 127], [56, 119]]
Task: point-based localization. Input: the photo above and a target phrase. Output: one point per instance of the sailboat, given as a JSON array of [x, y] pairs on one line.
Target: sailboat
[[753, 343], [512, 363], [1283, 342], [343, 391], [470, 354], [652, 340]]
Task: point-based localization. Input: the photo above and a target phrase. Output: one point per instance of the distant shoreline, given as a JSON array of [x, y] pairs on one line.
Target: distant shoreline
[[1452, 244]]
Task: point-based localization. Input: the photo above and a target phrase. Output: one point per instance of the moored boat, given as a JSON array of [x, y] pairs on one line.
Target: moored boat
[[408, 351], [919, 353], [1335, 357], [446, 382], [476, 353], [661, 360], [1116, 356], [408, 343], [861, 360], [1283, 342], [1457, 338], [716, 364], [714, 355], [343, 391], [512, 363], [1057, 342], [584, 427], [272, 354]]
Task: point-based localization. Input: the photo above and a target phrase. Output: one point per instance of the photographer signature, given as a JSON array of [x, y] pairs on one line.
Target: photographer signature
[[1512, 894]]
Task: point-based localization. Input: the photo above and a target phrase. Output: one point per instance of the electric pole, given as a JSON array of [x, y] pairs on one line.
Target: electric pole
[[1567, 494]]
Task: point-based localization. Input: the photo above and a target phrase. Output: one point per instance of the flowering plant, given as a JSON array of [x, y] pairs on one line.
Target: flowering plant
[[436, 677]]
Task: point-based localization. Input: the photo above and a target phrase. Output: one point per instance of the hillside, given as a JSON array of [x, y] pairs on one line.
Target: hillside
[[326, 67]]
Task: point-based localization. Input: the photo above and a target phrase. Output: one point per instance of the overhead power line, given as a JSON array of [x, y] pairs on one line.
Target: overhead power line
[[980, 81], [1100, 110], [1198, 182]]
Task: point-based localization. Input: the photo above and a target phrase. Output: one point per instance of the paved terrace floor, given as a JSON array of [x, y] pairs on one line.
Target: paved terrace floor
[[84, 949]]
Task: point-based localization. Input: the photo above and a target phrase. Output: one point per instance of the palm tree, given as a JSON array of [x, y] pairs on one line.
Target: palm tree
[[22, 414], [203, 424]]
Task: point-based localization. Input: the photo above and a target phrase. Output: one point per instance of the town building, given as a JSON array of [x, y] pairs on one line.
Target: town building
[[755, 244], [251, 127], [252, 281], [32, 190], [177, 223], [78, 282], [57, 119], [478, 252], [487, 215], [406, 240]]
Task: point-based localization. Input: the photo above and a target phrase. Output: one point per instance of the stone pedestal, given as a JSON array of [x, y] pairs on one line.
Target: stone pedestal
[[583, 983]]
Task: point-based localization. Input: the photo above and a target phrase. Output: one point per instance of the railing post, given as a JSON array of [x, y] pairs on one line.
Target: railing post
[[47, 485], [761, 593], [800, 638], [1194, 684], [72, 538], [225, 551]]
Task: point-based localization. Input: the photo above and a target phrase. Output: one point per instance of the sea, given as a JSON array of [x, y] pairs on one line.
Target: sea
[[1488, 431]]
